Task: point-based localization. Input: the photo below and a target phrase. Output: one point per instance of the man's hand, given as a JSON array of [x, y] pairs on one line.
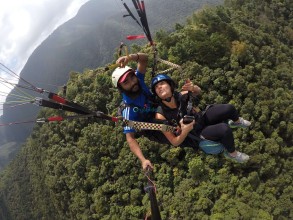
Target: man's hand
[[122, 61], [146, 163]]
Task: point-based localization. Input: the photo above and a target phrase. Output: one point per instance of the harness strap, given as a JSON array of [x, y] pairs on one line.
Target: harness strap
[[166, 71], [148, 126], [195, 137], [175, 66], [151, 190], [189, 103]]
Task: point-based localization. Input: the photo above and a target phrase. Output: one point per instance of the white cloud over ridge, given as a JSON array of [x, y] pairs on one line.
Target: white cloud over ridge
[[25, 24]]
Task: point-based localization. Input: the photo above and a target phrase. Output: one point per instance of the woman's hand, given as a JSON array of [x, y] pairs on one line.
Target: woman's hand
[[189, 86], [186, 127]]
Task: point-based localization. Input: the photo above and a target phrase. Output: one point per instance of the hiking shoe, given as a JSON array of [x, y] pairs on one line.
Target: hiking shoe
[[240, 157], [241, 124]]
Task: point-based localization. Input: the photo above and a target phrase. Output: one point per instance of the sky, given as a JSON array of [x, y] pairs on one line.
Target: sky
[[24, 24]]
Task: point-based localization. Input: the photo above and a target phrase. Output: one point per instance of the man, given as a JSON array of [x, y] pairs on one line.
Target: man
[[136, 96]]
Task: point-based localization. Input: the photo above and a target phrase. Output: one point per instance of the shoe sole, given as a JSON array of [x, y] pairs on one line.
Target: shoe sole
[[236, 161]]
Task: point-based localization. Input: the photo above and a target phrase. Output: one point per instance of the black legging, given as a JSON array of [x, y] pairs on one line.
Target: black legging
[[214, 127]]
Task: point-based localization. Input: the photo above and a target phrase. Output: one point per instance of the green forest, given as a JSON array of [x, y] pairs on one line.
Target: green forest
[[240, 53]]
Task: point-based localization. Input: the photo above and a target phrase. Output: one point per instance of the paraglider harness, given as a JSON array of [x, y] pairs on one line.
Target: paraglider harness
[[185, 112], [188, 113], [208, 146]]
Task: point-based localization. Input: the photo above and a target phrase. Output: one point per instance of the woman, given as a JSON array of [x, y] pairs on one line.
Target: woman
[[209, 124]]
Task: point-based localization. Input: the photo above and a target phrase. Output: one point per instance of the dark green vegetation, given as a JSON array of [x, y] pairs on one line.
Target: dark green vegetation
[[239, 53]]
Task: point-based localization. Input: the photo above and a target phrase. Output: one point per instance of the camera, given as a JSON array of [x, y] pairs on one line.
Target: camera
[[188, 119]]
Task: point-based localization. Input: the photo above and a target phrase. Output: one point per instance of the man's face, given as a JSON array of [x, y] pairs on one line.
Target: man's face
[[130, 84]]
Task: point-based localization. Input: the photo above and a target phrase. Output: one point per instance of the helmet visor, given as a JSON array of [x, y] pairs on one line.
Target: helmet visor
[[124, 76]]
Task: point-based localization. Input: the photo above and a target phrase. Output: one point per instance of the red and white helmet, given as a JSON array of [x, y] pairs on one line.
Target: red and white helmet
[[118, 73]]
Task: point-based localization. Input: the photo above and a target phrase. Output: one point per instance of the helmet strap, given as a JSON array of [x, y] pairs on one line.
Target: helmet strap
[[168, 99]]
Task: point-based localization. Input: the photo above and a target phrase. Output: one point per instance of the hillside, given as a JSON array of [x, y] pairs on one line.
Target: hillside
[[239, 53], [87, 41]]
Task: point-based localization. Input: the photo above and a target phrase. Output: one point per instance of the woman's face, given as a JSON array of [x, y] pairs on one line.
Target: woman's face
[[163, 90]]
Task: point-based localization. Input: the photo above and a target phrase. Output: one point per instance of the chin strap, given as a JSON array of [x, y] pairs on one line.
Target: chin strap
[[168, 99]]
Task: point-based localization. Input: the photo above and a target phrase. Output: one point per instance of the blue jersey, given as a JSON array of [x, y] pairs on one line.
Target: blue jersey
[[139, 108]]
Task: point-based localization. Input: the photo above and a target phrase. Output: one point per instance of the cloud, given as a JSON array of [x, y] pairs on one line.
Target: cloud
[[25, 24]]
